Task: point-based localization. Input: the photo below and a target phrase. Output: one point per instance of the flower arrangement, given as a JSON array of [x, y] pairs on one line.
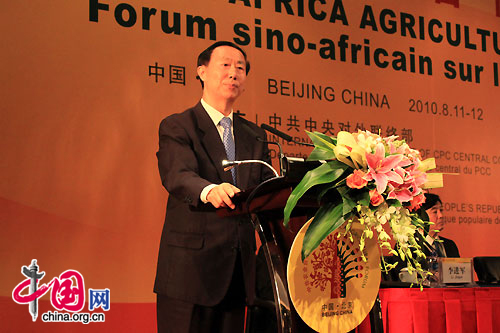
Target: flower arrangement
[[372, 180]]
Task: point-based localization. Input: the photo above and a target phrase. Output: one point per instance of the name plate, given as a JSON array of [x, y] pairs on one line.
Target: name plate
[[455, 270]]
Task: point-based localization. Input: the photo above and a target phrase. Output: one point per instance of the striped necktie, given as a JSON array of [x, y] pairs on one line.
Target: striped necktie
[[227, 138]]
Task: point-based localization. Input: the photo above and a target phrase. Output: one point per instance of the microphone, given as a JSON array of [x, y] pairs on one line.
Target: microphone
[[258, 138], [284, 136], [228, 165]]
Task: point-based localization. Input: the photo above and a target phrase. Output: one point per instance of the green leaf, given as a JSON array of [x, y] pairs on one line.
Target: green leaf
[[327, 219], [348, 205], [321, 154], [322, 140], [323, 190], [325, 173], [364, 200], [348, 201], [323, 147], [351, 197], [349, 215], [394, 202]]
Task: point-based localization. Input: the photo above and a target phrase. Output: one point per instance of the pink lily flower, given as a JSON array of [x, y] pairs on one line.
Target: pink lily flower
[[381, 168], [416, 176], [402, 193], [412, 179]]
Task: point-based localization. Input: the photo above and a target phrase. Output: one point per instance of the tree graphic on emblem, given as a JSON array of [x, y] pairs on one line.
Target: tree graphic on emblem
[[334, 262]]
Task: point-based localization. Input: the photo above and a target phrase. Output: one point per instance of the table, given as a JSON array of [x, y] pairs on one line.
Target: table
[[436, 310]]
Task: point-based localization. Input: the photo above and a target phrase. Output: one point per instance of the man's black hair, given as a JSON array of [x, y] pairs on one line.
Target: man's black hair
[[430, 201], [204, 57]]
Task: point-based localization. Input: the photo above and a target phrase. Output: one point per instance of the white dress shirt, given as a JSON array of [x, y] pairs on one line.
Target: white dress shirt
[[216, 117]]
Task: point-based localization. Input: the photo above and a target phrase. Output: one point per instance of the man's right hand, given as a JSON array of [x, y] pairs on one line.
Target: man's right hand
[[220, 195]]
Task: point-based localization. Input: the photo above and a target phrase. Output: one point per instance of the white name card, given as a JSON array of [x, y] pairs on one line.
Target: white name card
[[455, 270]]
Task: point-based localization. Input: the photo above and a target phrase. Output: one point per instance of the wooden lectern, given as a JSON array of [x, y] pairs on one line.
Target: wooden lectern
[[264, 205]]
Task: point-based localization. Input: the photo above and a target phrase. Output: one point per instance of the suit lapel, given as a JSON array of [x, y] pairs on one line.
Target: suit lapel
[[210, 139]]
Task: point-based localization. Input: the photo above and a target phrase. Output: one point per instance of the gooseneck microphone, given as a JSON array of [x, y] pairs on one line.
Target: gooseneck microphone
[[258, 138], [228, 165], [284, 136]]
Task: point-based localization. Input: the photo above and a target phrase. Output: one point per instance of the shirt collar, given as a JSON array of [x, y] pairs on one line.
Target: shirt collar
[[214, 114], [431, 240]]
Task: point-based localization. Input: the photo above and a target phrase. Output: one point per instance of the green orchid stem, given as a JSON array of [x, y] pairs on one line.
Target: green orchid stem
[[338, 183]]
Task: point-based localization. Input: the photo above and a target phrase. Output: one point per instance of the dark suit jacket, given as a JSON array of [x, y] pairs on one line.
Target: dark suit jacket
[[198, 248], [449, 246]]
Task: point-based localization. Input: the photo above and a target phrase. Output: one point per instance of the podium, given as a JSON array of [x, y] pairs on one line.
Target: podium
[[264, 204]]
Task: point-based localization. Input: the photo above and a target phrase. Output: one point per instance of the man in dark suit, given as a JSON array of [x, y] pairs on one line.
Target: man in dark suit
[[437, 244], [206, 264]]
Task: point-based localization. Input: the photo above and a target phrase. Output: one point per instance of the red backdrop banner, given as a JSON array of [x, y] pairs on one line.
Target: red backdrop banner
[[86, 83]]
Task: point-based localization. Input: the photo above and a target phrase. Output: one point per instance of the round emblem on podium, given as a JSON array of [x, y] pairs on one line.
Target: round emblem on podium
[[333, 290]]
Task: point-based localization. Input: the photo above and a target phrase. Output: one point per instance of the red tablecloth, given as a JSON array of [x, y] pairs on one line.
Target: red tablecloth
[[436, 310]]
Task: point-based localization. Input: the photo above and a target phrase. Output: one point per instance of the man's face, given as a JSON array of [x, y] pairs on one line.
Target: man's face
[[436, 215], [224, 76]]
